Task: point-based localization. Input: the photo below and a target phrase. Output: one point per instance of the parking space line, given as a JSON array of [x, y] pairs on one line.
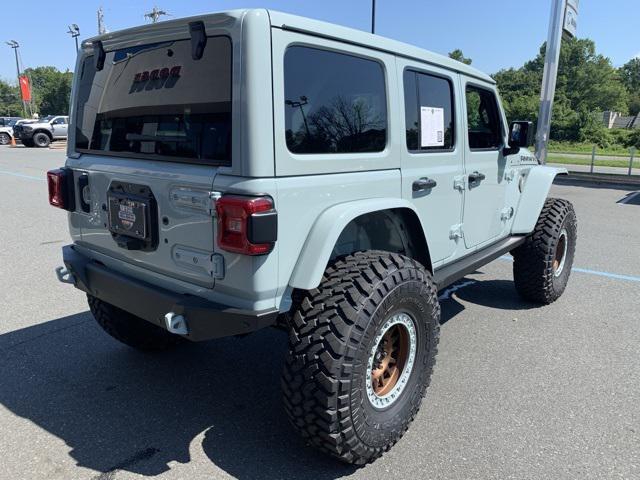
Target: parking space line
[[598, 273], [21, 175]]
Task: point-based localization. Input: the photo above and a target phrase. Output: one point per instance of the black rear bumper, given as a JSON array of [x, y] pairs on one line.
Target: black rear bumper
[[205, 319], [23, 135]]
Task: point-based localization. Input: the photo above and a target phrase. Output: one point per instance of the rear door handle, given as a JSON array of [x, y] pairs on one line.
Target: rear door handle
[[424, 183], [475, 178]]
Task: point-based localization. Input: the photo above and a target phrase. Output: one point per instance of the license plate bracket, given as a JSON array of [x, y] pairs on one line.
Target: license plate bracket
[[128, 216], [132, 216]]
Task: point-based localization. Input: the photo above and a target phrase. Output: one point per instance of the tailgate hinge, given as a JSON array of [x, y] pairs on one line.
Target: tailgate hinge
[[213, 197]]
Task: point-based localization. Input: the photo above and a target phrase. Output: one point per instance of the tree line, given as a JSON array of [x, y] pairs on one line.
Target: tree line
[[51, 90], [588, 84]]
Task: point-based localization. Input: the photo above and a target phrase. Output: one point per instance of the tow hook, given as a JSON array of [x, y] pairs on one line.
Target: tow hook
[[176, 323], [65, 275]]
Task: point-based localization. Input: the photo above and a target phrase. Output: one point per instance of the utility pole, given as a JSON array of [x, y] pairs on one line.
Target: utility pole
[[373, 16], [101, 28], [155, 14], [74, 31], [564, 14], [15, 45]]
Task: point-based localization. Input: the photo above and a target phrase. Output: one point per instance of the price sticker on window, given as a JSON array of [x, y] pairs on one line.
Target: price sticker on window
[[431, 127]]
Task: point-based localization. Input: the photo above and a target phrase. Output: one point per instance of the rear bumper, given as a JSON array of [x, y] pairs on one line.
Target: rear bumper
[[205, 319], [22, 135]]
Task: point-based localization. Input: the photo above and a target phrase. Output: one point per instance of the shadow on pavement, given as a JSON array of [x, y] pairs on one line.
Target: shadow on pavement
[[498, 294], [121, 410], [118, 409]]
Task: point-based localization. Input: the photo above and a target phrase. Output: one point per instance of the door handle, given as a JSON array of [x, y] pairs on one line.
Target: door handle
[[475, 178], [424, 183]]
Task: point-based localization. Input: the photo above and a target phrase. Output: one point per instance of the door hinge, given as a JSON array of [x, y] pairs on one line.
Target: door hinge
[[510, 175], [456, 232], [460, 182], [506, 214]]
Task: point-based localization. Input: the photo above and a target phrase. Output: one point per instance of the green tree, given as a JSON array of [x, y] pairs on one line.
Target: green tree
[[10, 100], [459, 56], [630, 74], [587, 84], [51, 90]]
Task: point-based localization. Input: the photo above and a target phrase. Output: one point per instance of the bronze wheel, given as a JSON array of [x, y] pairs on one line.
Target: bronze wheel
[[561, 254], [391, 360]]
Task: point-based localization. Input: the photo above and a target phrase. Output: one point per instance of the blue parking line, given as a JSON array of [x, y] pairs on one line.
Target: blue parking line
[[615, 276], [22, 175]]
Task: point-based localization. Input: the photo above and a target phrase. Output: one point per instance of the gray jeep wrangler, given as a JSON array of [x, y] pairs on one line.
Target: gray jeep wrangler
[[246, 169]]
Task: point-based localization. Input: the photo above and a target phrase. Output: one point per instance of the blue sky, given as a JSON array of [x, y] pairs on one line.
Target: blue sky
[[494, 33]]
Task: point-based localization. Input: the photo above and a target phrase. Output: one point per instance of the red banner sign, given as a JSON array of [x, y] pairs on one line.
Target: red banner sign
[[25, 88]]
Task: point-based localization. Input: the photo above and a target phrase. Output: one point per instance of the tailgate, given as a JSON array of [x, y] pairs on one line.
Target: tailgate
[[152, 125], [171, 200]]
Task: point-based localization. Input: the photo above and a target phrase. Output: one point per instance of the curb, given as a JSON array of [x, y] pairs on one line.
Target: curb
[[600, 178]]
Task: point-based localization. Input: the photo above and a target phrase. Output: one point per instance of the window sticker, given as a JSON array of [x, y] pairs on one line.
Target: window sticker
[[431, 127]]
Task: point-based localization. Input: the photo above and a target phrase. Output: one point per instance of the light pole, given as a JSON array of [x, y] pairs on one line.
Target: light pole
[[74, 31], [15, 45], [303, 101], [564, 15], [373, 16]]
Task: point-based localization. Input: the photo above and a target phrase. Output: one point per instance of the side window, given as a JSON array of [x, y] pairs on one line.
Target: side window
[[483, 119], [59, 121], [334, 102], [429, 114]]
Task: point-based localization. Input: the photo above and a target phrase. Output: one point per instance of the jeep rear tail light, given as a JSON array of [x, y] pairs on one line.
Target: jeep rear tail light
[[246, 225], [60, 183]]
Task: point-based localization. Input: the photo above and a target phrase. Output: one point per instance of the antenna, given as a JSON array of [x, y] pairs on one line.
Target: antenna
[[155, 14]]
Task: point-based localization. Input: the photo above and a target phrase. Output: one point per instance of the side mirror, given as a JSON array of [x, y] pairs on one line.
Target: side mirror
[[520, 135]]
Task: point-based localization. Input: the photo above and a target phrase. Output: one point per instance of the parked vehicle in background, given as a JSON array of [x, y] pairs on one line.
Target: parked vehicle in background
[[7, 121], [6, 134], [6, 129], [245, 169], [40, 133]]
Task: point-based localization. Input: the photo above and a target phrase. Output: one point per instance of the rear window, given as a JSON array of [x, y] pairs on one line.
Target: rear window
[[154, 101], [334, 102]]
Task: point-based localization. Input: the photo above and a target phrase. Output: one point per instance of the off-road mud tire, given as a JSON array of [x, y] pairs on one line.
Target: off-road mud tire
[[333, 329], [533, 267], [129, 329]]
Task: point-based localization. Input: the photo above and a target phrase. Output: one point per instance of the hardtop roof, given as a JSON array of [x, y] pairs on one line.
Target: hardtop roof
[[374, 41], [313, 27]]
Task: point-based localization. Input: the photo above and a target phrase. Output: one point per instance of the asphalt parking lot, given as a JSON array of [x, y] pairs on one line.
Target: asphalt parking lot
[[519, 392]]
